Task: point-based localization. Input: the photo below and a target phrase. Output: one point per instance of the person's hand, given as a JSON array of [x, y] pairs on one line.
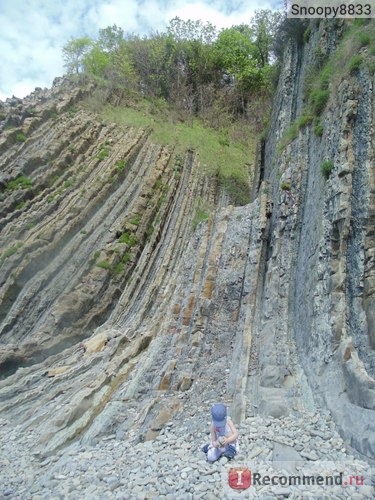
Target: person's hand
[[222, 441]]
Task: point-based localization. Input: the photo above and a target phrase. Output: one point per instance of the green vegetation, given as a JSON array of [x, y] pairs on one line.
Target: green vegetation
[[103, 264], [187, 55], [229, 162], [30, 225], [68, 183], [119, 268], [50, 198], [128, 238], [96, 254], [20, 205], [194, 86], [135, 221], [72, 111], [285, 186], [202, 212], [364, 39], [307, 34], [20, 137], [178, 163], [10, 251], [289, 136], [326, 168], [120, 166], [103, 153], [126, 257], [318, 127], [292, 132], [22, 182], [304, 120], [355, 63], [318, 100], [323, 78]]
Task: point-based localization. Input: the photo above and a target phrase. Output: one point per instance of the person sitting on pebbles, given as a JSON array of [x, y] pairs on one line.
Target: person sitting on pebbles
[[223, 435]]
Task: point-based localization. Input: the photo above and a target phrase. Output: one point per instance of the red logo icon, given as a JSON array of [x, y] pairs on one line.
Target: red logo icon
[[239, 478]]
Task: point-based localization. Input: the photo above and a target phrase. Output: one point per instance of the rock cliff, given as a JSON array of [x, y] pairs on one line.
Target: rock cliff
[[320, 265], [118, 317]]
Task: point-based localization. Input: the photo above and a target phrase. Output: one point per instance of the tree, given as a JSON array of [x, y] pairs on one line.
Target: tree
[[111, 39], [236, 54], [264, 26], [96, 62], [74, 53], [190, 30]]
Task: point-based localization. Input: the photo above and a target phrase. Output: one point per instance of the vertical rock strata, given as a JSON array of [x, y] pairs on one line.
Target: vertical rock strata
[[320, 268]]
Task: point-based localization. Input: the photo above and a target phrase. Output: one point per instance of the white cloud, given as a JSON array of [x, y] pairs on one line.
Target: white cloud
[[33, 32]]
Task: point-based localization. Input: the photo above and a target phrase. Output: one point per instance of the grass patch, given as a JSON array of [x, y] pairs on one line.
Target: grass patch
[[355, 63], [135, 221], [289, 136], [22, 182], [307, 34], [364, 39], [103, 153], [326, 168], [119, 268], [127, 257], [128, 238], [326, 75], [318, 100], [120, 166], [103, 264], [20, 205], [202, 212], [11, 251], [20, 137], [318, 128], [221, 154], [68, 183], [323, 78], [51, 197], [304, 120]]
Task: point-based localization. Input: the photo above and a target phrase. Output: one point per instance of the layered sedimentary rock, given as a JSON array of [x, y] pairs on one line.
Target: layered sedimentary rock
[[118, 316], [320, 269]]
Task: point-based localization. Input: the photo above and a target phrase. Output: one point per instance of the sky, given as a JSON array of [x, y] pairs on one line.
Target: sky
[[33, 32]]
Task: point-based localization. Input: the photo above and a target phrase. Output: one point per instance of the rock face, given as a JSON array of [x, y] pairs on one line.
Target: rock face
[[117, 318], [319, 282]]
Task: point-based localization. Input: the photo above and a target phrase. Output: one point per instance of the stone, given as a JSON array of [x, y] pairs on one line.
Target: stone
[[286, 458], [185, 382], [96, 343]]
